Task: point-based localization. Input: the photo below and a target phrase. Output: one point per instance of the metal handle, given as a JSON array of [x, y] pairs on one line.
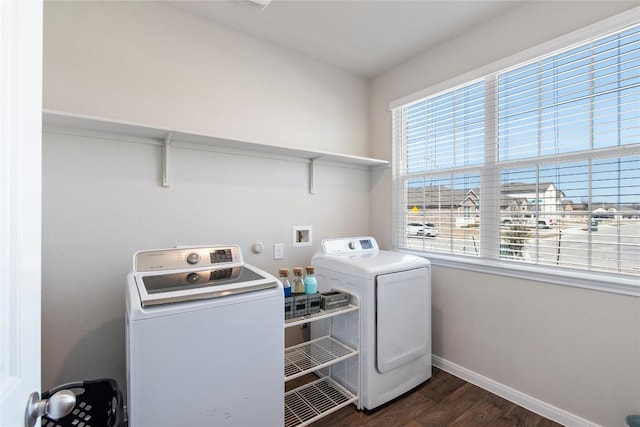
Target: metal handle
[[56, 407]]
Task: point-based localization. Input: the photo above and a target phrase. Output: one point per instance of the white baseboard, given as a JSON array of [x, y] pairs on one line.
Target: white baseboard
[[531, 403]]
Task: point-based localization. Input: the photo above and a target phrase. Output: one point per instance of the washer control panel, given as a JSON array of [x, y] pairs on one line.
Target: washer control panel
[[349, 245], [179, 258]]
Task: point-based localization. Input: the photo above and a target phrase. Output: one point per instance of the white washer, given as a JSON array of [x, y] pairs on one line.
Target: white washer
[[395, 316], [205, 339]]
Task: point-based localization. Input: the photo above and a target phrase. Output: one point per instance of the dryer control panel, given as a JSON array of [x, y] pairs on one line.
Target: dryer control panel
[[349, 245]]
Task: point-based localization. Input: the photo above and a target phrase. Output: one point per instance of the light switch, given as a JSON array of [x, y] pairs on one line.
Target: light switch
[[278, 251]]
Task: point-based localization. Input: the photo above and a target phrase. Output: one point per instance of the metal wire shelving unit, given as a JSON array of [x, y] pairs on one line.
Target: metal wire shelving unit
[[316, 399]]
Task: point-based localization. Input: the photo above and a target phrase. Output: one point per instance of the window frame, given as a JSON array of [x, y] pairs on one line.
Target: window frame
[[490, 170]]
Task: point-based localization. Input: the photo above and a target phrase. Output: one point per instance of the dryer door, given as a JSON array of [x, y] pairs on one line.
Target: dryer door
[[403, 314]]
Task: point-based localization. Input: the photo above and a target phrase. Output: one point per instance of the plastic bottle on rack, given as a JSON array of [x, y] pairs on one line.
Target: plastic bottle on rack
[[310, 283], [284, 278], [298, 284]]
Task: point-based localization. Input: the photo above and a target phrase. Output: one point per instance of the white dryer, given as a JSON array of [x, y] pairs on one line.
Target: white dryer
[[395, 316]]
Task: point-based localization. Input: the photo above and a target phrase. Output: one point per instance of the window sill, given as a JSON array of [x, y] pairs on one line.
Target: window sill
[[579, 279]]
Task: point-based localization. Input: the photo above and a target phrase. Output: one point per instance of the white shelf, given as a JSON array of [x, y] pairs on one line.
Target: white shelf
[[313, 401], [174, 137], [310, 356], [323, 314]]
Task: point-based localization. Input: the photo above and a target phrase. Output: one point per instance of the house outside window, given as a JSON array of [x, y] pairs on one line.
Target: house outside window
[[538, 164]]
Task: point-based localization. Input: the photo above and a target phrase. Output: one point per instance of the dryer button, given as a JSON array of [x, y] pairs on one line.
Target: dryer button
[[352, 245]]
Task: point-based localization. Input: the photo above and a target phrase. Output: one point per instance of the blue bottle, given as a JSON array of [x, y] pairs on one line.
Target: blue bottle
[[284, 278], [310, 283]]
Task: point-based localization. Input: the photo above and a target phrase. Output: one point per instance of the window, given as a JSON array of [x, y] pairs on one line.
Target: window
[[538, 164]]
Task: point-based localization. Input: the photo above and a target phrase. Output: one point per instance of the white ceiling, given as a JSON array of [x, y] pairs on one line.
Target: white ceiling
[[366, 37]]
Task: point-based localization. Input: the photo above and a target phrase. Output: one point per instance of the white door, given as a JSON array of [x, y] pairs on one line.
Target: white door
[[403, 316], [20, 205]]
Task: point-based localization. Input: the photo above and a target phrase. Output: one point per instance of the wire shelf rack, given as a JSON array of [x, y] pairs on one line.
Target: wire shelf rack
[[320, 315], [315, 400], [312, 355]]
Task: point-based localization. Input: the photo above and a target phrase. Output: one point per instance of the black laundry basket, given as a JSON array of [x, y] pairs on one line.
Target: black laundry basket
[[98, 404]]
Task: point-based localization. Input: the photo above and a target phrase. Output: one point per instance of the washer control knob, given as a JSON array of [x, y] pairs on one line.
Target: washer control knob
[[352, 245], [193, 277], [193, 258]]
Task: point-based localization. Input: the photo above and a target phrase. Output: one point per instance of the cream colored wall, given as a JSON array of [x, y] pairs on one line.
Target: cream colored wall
[[575, 349], [151, 64], [148, 63], [102, 201]]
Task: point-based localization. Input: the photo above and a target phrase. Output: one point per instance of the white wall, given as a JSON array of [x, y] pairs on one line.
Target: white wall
[[575, 349], [102, 200]]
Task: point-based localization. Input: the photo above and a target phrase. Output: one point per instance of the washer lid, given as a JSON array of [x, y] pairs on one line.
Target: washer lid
[[180, 286]]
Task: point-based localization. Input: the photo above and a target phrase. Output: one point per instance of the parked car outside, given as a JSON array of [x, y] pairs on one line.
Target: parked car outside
[[422, 229], [414, 227], [430, 230]]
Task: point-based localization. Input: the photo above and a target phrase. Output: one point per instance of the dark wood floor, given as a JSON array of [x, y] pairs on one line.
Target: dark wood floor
[[444, 400]]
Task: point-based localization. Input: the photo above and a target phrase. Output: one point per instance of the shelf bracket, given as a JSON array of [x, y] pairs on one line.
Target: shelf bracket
[[312, 172], [165, 160]]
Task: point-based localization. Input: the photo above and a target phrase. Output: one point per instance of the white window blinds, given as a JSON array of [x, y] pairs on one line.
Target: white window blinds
[[442, 144], [542, 161]]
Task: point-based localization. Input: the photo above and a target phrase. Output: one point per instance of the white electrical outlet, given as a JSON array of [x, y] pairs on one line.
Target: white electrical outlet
[[278, 251]]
